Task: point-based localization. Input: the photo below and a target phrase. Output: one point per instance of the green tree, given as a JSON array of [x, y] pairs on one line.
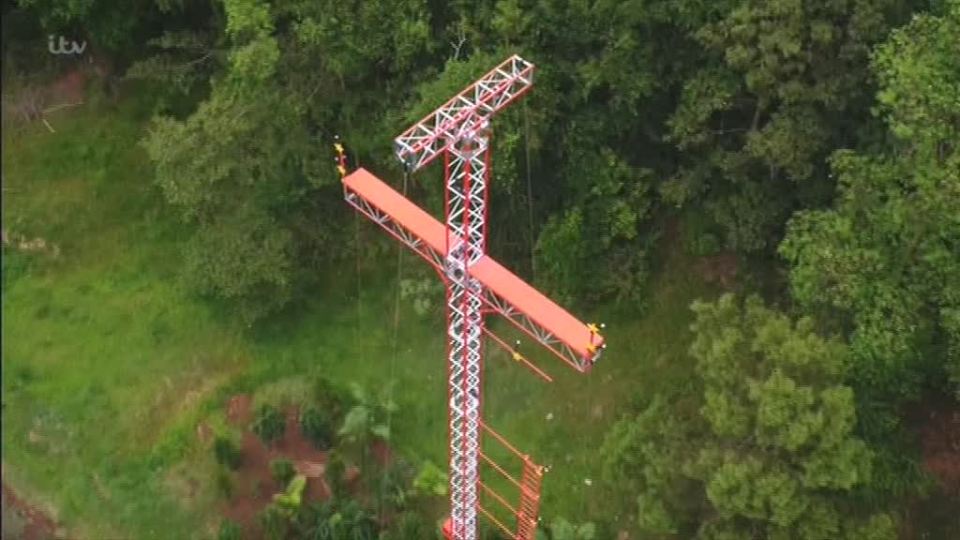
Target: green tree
[[766, 449], [781, 85], [108, 25], [886, 256]]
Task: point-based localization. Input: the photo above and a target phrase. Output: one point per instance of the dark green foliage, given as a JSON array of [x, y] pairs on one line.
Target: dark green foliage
[[884, 258], [561, 529], [317, 427], [227, 452], [334, 472], [330, 399], [336, 519], [275, 522], [229, 530], [268, 423], [408, 525], [768, 446], [282, 471], [700, 235]]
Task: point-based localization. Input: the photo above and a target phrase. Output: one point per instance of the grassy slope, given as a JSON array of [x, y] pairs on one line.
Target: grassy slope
[[109, 365]]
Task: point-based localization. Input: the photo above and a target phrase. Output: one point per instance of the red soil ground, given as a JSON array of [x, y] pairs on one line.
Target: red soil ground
[[254, 485], [719, 269], [31, 522], [940, 442]]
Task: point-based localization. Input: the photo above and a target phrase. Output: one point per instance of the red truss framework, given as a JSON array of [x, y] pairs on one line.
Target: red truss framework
[[475, 283]]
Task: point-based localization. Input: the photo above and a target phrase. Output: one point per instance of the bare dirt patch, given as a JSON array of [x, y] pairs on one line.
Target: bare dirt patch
[[22, 521], [719, 269], [70, 87], [940, 443], [254, 486], [239, 411]]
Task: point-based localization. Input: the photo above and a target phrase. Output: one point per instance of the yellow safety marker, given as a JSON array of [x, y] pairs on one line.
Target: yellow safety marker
[[341, 159]]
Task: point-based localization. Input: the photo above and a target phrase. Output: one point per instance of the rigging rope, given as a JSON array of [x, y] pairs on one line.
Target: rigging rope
[[356, 245], [526, 139], [396, 341]]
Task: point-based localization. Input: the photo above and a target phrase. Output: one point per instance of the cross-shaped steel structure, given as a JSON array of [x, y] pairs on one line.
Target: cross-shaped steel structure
[[475, 283]]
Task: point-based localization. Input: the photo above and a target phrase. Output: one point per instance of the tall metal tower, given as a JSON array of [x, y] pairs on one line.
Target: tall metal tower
[[476, 285]]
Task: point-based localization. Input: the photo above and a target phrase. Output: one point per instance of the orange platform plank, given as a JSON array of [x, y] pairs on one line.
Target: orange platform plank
[[544, 312], [377, 193], [534, 305]]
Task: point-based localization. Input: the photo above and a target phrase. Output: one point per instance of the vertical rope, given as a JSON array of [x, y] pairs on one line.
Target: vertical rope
[[356, 241], [526, 139], [396, 343]]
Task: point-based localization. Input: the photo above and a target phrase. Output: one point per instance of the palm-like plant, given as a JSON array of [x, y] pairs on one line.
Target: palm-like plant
[[367, 420]]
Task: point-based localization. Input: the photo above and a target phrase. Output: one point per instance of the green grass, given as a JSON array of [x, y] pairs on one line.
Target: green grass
[[108, 364]]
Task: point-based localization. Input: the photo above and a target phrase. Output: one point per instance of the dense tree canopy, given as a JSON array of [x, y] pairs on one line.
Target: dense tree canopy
[[765, 450], [886, 255]]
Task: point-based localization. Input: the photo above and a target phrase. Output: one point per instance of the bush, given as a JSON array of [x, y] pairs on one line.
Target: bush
[[274, 521], [699, 235], [431, 480], [330, 399], [334, 472], [409, 525], [317, 427], [282, 471], [269, 424], [227, 452], [229, 531]]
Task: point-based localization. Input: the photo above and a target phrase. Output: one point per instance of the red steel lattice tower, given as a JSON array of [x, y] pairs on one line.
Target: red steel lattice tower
[[475, 283]]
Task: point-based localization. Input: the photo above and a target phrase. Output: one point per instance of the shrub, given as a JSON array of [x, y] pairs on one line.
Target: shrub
[[269, 424], [430, 480], [229, 530], [274, 521], [334, 472], [330, 399], [227, 452], [409, 525], [699, 235], [317, 427], [282, 471]]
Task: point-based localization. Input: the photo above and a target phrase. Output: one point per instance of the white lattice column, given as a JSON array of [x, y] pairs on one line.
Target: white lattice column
[[466, 187]]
